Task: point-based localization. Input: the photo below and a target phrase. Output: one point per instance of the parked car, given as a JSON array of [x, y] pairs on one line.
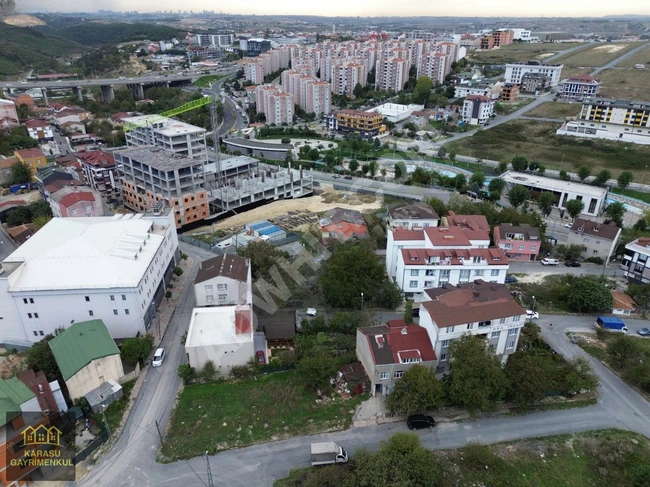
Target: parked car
[[532, 315], [568, 225], [158, 357], [511, 279], [260, 357], [572, 263], [420, 421], [311, 311], [347, 177], [550, 262], [574, 338], [644, 332]]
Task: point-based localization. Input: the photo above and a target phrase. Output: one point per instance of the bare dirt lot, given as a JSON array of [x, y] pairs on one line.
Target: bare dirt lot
[[520, 52]]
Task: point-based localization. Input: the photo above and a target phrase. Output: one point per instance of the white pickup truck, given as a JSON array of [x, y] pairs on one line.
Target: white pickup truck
[[550, 262], [327, 453]]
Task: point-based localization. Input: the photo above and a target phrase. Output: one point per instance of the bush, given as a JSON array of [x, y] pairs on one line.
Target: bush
[[178, 271], [241, 372], [209, 371], [187, 373], [285, 358], [595, 260]]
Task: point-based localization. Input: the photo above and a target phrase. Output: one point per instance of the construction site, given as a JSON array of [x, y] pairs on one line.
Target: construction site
[[214, 187]]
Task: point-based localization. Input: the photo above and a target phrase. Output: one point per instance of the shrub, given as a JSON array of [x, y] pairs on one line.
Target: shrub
[[178, 271], [209, 371], [595, 260], [241, 372], [187, 373]]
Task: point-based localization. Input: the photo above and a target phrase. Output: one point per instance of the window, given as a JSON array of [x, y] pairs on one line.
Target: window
[[443, 357], [444, 343], [123, 297], [450, 329], [398, 374], [430, 272], [223, 297], [479, 272], [496, 334], [495, 272], [522, 247], [87, 299], [384, 376], [29, 315], [208, 288], [90, 312], [470, 326], [112, 298], [585, 240], [511, 344], [35, 315], [597, 242], [31, 300], [209, 298], [533, 247], [512, 332], [126, 311], [222, 287], [415, 272], [25, 300], [41, 333], [413, 284], [114, 311], [35, 334]]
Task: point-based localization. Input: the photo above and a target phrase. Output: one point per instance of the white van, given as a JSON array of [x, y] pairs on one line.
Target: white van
[[550, 262], [224, 243]]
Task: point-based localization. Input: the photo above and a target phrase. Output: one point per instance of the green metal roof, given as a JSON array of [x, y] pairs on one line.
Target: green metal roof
[[80, 344], [13, 393]]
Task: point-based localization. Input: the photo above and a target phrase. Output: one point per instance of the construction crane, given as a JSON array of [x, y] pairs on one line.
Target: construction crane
[[192, 105]]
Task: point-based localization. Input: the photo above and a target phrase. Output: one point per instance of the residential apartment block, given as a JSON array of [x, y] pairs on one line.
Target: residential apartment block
[[534, 83], [412, 216], [509, 92], [478, 308], [636, 260], [39, 130], [599, 239], [8, 114], [346, 75], [101, 173], [76, 269], [481, 88], [308, 92], [150, 175], [166, 133], [76, 201], [498, 38], [579, 88], [520, 243], [601, 118], [477, 109], [388, 351], [33, 158], [358, 122], [275, 104], [515, 71], [391, 74], [224, 280]]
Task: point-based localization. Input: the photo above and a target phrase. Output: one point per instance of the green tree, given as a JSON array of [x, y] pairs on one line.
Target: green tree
[[18, 216], [40, 221], [314, 154], [209, 371], [373, 167], [423, 87], [502, 167], [623, 351], [168, 295], [527, 379], [353, 165], [477, 180], [400, 170], [564, 175], [541, 169], [584, 172], [263, 256], [358, 90], [616, 211], [589, 294], [315, 371], [187, 373], [442, 152], [519, 163], [579, 376], [574, 207], [517, 195], [624, 179], [438, 206], [20, 173], [497, 185], [135, 350], [417, 390], [408, 311], [477, 380], [602, 177], [40, 357], [546, 201]]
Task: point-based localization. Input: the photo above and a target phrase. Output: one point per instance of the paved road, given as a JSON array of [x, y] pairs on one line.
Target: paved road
[[7, 246], [614, 62]]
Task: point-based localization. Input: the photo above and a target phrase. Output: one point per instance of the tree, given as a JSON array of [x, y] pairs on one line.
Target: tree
[[352, 269], [314, 154], [358, 90], [423, 87], [209, 371], [616, 211], [502, 167], [584, 172], [574, 207], [40, 221], [408, 311], [546, 201], [315, 371], [353, 165], [260, 117], [527, 380], [263, 256], [564, 175], [400, 170], [602, 177], [589, 294], [18, 216], [579, 376], [624, 179], [438, 206], [373, 167], [20, 173], [541, 169], [477, 380], [477, 180], [497, 185], [442, 152], [417, 390], [168, 295], [623, 351], [517, 195], [136, 349], [452, 155], [40, 357], [519, 163], [187, 373]]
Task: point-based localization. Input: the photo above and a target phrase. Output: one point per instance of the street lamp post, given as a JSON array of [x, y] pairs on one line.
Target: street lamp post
[[362, 302], [533, 304]]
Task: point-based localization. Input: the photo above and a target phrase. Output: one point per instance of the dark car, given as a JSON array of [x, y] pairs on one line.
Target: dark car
[[511, 279], [420, 421], [644, 332], [572, 263], [347, 177]]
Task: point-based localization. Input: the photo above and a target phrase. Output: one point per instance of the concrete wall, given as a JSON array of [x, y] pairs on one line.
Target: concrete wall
[[94, 375], [224, 356]]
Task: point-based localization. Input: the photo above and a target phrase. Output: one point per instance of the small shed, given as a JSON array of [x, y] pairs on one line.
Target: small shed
[[105, 395]]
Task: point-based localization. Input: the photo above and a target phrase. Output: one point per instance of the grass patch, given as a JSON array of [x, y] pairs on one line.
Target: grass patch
[[206, 81], [507, 108], [538, 142], [115, 412], [628, 84], [519, 52], [594, 458], [597, 55], [554, 109], [641, 57], [222, 415], [632, 193]]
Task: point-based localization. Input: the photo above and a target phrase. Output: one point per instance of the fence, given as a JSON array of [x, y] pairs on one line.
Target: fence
[[131, 375], [198, 243], [92, 446]]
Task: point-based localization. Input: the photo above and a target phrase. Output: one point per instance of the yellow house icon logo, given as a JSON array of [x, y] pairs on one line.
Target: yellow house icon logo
[[42, 435]]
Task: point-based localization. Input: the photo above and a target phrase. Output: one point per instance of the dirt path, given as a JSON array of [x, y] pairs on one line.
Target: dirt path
[[282, 207]]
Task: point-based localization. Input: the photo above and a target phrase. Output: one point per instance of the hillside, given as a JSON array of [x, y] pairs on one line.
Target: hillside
[[24, 48]]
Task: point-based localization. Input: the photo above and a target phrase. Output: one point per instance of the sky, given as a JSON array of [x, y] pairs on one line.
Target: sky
[[366, 8]]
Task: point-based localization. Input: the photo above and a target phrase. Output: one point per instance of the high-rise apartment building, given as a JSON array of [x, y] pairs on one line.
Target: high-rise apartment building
[[391, 74]]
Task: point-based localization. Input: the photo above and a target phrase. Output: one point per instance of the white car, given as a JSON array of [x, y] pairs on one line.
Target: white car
[[311, 311], [532, 315], [568, 225], [158, 357]]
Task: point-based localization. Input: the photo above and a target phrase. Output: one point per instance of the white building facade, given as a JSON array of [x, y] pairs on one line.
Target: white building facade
[[477, 109], [514, 71]]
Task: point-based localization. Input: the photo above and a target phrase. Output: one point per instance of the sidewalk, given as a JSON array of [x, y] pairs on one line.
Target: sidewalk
[[167, 308]]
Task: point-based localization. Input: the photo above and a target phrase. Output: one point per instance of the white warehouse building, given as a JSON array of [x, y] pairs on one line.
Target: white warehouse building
[[77, 269]]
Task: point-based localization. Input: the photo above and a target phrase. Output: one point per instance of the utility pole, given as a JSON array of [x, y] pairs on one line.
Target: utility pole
[[108, 429], [159, 433], [207, 466]]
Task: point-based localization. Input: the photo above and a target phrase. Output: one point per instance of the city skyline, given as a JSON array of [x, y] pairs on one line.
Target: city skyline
[[364, 8]]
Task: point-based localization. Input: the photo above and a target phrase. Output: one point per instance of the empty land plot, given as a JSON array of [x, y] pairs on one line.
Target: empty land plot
[[520, 52], [598, 55], [537, 141], [628, 84], [555, 109], [641, 57]]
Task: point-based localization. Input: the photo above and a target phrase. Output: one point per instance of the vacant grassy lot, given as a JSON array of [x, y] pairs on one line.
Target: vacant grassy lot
[[595, 458], [597, 55], [206, 81], [537, 141], [641, 57], [554, 109], [521, 52], [507, 108], [115, 411], [222, 415], [628, 84]]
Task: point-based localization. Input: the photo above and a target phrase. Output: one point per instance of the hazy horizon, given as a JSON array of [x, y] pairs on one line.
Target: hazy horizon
[[362, 8]]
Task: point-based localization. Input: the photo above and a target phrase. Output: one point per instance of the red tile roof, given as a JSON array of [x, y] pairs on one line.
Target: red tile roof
[[482, 98], [347, 230], [475, 222], [29, 153], [242, 322], [447, 237], [396, 341], [402, 234], [72, 198], [419, 257], [622, 301], [97, 158], [33, 124]]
